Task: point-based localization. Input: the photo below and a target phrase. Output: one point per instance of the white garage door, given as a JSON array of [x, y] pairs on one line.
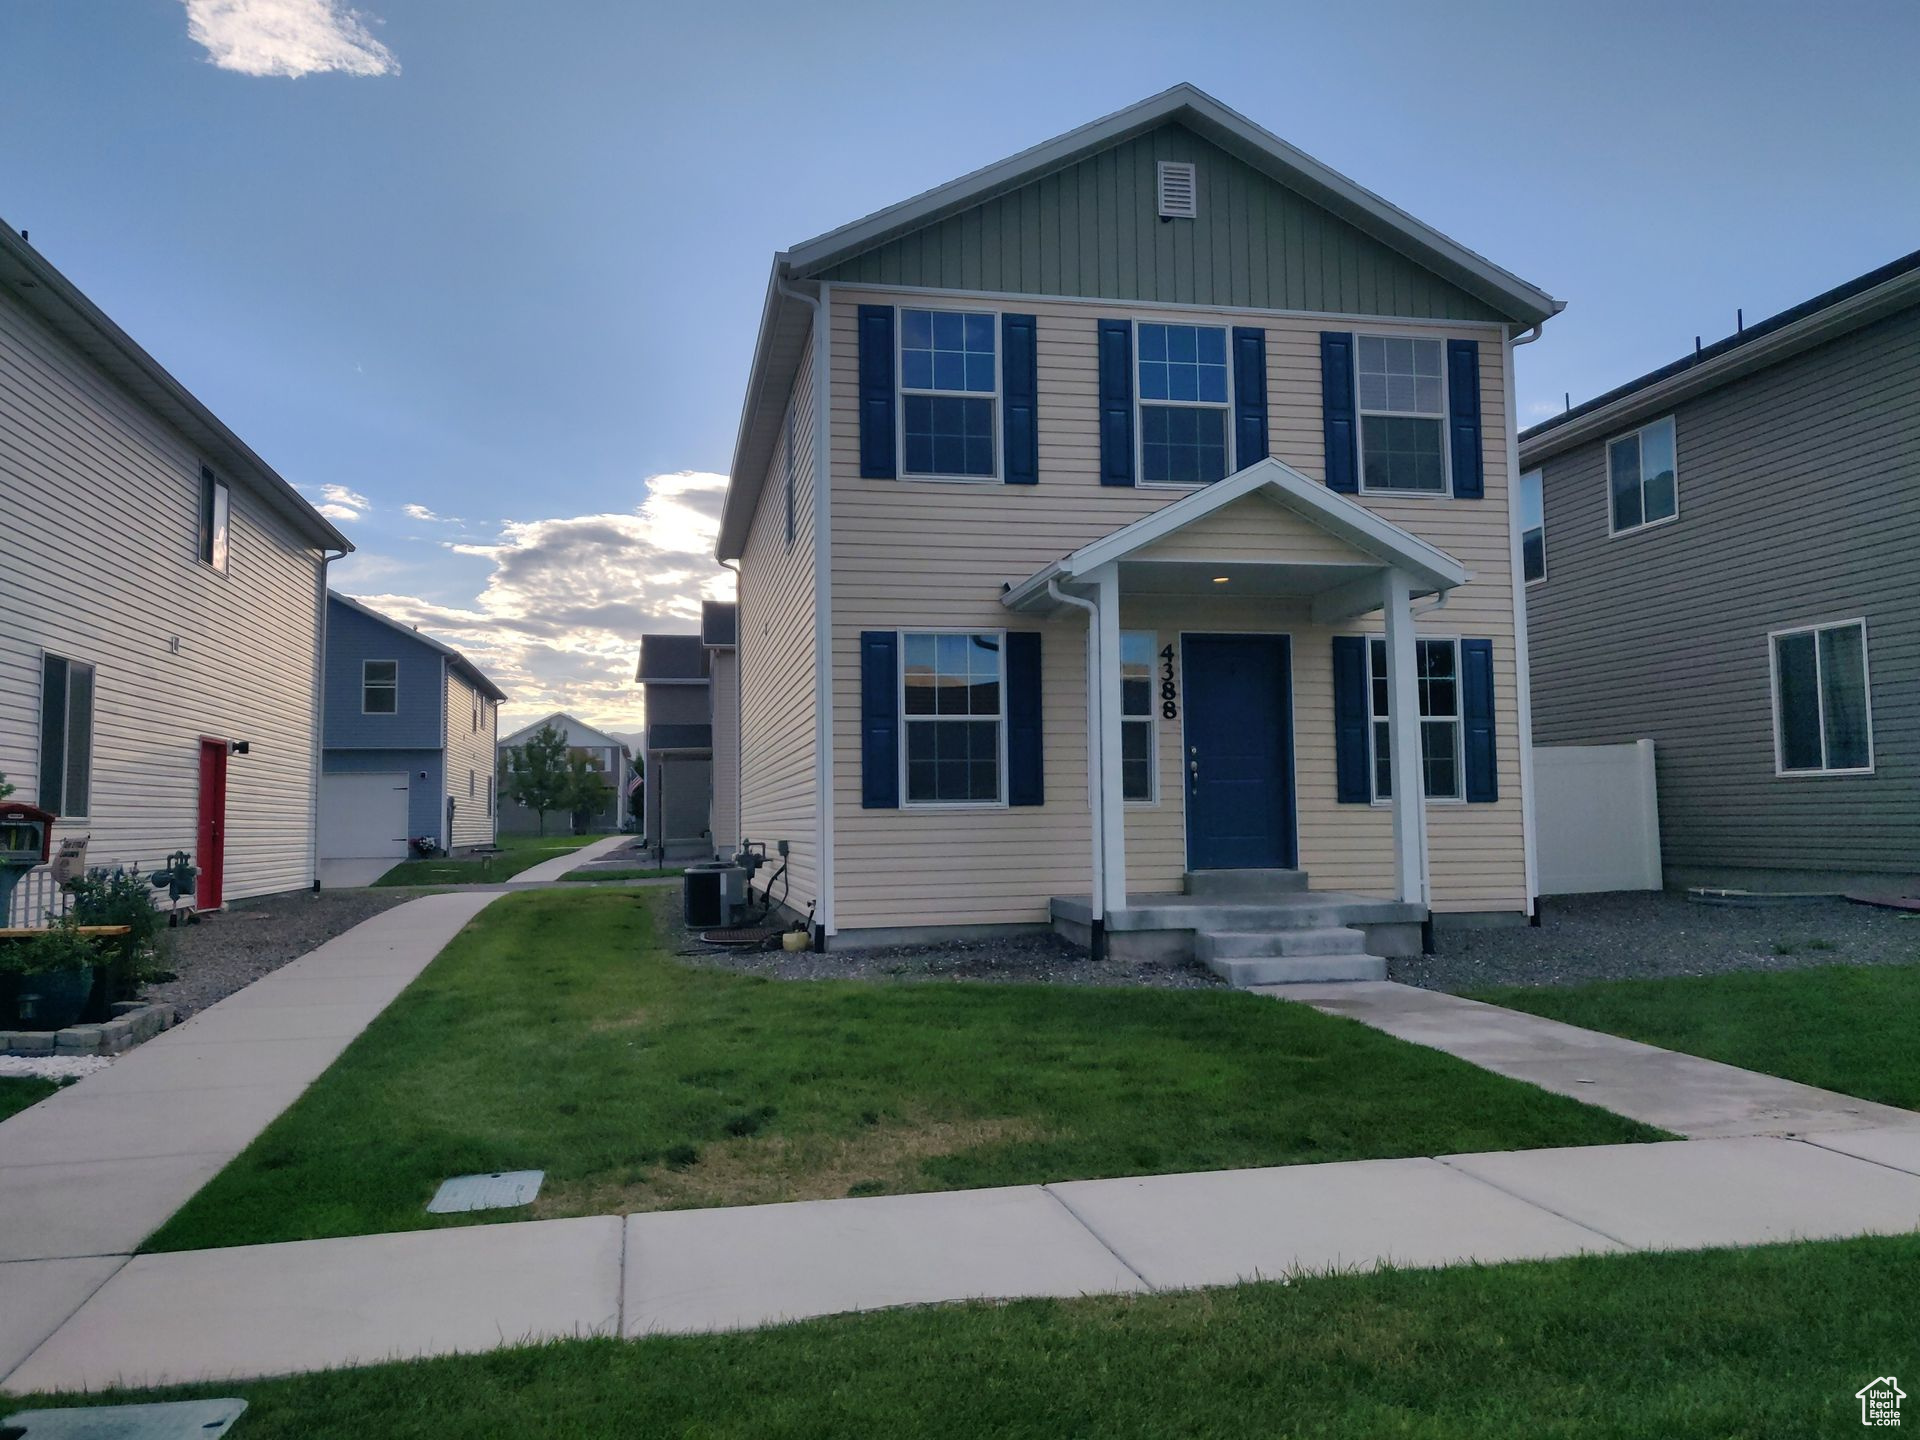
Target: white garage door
[[363, 816]]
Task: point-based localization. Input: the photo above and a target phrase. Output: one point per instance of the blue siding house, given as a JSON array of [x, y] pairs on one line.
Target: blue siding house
[[407, 742]]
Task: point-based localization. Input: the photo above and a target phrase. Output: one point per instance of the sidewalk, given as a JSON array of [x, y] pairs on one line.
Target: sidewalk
[[1682, 1094], [280, 1309], [553, 869], [90, 1172]]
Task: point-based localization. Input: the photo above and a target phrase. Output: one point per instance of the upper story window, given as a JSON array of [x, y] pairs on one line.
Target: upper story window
[[66, 737], [1532, 519], [1402, 396], [1642, 478], [1438, 664], [1184, 399], [1136, 715], [953, 704], [1822, 711], [379, 687], [475, 699], [216, 512], [949, 391]]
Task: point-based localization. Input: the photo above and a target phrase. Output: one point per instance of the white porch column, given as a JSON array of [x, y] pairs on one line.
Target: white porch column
[[1113, 812], [1403, 715]]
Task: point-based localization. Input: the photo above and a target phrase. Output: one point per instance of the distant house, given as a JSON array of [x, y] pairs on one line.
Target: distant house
[[409, 739], [160, 625], [1719, 559], [607, 753], [675, 674]]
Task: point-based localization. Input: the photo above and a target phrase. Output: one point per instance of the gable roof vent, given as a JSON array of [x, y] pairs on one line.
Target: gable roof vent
[[1179, 198]]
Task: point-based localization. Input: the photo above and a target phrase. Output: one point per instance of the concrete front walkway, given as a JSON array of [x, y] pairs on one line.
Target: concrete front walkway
[[572, 860], [91, 1171], [280, 1309], [1682, 1094]]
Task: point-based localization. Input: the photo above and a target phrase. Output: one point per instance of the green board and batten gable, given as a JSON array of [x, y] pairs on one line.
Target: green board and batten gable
[[1092, 229]]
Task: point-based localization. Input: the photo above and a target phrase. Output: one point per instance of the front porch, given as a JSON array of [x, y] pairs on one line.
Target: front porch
[[1291, 559]]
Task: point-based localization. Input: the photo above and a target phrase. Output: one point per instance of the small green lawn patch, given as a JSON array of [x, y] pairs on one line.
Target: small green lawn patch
[[623, 874], [554, 1034], [519, 852], [1731, 1343], [17, 1094], [1849, 1028]]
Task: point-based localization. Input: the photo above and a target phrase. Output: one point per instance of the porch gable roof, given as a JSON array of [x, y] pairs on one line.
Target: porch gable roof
[[1431, 569]]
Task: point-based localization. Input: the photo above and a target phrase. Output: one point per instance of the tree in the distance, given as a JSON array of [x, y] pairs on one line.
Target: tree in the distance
[[588, 791], [539, 774]]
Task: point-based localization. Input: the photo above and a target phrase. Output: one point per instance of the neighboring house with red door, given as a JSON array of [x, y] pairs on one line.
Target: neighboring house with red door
[[1124, 546], [162, 591], [410, 726]]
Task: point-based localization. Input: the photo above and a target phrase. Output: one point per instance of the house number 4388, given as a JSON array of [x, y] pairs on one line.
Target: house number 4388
[[1169, 693]]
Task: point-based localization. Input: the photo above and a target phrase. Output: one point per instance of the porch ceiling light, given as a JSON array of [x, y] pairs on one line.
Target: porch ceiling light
[[1221, 579]]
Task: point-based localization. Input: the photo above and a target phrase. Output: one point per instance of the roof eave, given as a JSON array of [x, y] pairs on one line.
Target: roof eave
[[178, 404]]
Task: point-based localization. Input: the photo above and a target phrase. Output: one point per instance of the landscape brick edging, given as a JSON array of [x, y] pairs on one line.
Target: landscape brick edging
[[133, 1021]]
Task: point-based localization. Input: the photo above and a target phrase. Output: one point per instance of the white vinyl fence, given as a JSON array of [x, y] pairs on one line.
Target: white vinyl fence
[[1597, 814]]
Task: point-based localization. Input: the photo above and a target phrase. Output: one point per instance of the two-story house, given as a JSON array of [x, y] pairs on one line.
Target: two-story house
[[1720, 559], [409, 742], [606, 753], [161, 602], [1125, 546]]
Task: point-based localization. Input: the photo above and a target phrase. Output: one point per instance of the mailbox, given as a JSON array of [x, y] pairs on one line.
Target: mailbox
[[71, 863], [26, 835]]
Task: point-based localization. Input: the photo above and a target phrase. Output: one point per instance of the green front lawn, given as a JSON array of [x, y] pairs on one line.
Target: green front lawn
[[519, 852], [1849, 1028], [17, 1094], [555, 1034], [1732, 1343], [603, 875]]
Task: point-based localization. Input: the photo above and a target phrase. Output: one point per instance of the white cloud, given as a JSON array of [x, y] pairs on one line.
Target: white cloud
[[421, 512], [338, 512], [287, 37], [337, 502], [1540, 409], [558, 623]]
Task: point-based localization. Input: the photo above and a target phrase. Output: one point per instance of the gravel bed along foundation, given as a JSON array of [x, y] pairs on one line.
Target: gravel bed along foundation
[[1635, 936], [224, 952]]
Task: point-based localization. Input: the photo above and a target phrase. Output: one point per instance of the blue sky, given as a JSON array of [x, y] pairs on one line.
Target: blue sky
[[515, 276]]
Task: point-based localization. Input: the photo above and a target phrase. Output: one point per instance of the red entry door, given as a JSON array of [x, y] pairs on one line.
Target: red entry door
[[210, 843]]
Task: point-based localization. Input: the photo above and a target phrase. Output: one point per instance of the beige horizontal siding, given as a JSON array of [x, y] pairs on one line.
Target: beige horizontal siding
[[724, 822], [99, 510], [470, 753], [910, 554], [776, 648]]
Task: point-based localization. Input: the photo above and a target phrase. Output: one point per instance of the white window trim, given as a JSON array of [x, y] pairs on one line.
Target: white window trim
[[1152, 719], [66, 733], [1540, 473], [213, 558], [901, 390], [1139, 402], [1458, 720], [1820, 696], [900, 709], [1606, 476], [363, 686], [1360, 413]]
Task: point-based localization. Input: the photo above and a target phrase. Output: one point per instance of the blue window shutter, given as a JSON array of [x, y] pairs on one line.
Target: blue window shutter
[[1020, 398], [1026, 771], [1463, 418], [1116, 402], [1249, 395], [1353, 781], [879, 720], [1476, 711], [876, 392], [1338, 420]]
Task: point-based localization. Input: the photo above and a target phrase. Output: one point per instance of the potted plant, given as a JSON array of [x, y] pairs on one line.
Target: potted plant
[[49, 976]]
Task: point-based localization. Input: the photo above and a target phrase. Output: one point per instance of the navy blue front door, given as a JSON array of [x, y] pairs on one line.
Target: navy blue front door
[[1239, 752]]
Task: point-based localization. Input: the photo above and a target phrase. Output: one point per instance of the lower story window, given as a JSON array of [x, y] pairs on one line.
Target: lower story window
[[1823, 722], [953, 705], [1136, 715], [66, 737], [1437, 663]]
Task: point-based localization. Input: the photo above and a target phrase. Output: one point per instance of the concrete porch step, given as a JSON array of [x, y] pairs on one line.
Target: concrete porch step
[[1244, 973], [1308, 910], [1245, 884], [1261, 944]]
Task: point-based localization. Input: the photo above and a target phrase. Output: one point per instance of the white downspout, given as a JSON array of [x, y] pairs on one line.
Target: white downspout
[[1095, 767], [1522, 678]]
